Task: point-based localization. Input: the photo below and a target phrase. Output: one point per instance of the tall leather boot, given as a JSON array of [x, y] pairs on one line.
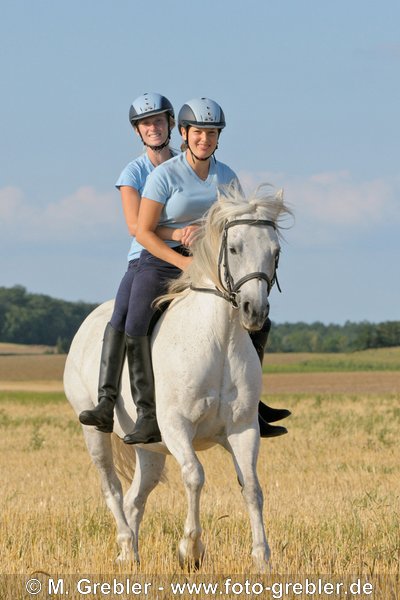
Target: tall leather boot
[[267, 414], [146, 429], [111, 365]]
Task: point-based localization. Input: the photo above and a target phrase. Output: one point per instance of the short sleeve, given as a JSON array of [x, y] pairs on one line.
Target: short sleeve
[[157, 186], [131, 175]]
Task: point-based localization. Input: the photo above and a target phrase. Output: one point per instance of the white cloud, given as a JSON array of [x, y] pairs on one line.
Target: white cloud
[[328, 207], [336, 199], [331, 205], [85, 214], [11, 199]]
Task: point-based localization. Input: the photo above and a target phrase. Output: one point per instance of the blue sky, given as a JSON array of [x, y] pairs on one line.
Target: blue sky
[[310, 90]]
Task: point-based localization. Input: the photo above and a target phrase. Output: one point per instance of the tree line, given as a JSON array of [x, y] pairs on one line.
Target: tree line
[[27, 318], [317, 337]]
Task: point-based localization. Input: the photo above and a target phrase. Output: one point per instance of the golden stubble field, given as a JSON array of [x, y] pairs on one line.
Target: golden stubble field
[[331, 487]]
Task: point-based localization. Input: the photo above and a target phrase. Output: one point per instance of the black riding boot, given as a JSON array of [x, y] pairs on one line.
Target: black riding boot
[[111, 364], [138, 352], [267, 414]]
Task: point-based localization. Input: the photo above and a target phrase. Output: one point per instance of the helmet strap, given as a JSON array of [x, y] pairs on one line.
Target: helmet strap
[[194, 157], [161, 146]]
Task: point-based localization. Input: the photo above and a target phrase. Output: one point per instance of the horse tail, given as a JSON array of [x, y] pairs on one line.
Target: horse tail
[[124, 458]]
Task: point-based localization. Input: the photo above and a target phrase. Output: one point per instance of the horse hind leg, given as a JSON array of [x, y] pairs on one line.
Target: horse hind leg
[[148, 472], [100, 450], [244, 449]]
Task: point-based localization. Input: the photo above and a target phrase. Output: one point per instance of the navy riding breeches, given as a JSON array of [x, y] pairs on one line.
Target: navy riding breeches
[[151, 280], [122, 306]]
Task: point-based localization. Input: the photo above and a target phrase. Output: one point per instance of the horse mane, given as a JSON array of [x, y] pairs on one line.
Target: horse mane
[[231, 204]]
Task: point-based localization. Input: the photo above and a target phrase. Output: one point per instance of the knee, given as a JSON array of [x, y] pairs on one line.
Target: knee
[[252, 493], [193, 475]]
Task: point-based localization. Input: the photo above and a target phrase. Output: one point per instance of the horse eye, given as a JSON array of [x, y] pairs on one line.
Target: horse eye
[[232, 250]]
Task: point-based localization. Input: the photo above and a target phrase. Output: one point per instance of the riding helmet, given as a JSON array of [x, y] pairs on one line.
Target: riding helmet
[[202, 113], [149, 104]]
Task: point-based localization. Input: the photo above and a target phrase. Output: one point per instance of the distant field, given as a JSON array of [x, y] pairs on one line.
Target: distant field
[[25, 349], [32, 367], [371, 371], [382, 359]]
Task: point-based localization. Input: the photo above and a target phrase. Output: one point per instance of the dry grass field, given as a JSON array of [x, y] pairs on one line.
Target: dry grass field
[[331, 487], [27, 349]]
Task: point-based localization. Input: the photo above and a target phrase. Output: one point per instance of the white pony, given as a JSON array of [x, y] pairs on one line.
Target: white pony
[[207, 373]]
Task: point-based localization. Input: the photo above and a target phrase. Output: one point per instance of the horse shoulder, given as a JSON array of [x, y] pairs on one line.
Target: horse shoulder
[[242, 375], [188, 356], [190, 329]]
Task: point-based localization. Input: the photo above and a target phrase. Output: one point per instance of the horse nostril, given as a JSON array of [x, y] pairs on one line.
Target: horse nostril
[[246, 307]]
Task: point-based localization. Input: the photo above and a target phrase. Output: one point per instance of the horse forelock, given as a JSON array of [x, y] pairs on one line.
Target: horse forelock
[[263, 203], [231, 205]]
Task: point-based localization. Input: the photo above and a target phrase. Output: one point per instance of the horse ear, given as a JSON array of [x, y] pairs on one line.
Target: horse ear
[[279, 196]]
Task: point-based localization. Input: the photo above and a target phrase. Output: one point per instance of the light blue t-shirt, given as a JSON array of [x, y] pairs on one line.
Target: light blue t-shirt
[[134, 175], [186, 197]]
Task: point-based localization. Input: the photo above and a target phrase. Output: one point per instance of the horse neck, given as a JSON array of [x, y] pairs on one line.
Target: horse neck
[[222, 318]]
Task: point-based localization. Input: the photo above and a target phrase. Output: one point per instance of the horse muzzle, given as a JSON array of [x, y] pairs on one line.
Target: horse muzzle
[[252, 315]]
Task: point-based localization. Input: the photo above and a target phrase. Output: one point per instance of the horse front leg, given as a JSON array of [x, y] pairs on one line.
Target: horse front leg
[[100, 450], [148, 472], [244, 448], [179, 443]]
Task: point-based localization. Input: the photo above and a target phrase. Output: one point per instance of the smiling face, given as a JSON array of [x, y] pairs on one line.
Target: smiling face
[[153, 130], [202, 142]]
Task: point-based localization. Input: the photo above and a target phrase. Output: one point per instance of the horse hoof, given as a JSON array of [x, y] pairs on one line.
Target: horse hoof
[[192, 563], [190, 566], [262, 560], [123, 559]]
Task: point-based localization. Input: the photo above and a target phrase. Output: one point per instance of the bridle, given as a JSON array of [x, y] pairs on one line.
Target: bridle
[[230, 289]]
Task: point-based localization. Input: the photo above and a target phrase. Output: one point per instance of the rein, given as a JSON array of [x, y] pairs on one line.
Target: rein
[[229, 287]]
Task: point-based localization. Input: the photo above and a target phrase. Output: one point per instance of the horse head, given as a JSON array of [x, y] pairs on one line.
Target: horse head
[[236, 253], [247, 266], [249, 251]]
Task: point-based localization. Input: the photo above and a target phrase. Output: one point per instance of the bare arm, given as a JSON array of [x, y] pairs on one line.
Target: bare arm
[[147, 234], [130, 205]]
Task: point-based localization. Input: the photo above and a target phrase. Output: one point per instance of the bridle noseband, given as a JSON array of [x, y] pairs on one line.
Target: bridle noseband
[[229, 287]]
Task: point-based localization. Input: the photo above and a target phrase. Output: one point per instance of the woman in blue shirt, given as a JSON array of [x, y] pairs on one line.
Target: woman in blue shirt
[[152, 117], [176, 194]]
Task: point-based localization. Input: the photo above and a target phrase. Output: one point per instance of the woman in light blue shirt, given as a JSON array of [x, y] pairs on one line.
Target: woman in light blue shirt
[[152, 117], [176, 194]]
